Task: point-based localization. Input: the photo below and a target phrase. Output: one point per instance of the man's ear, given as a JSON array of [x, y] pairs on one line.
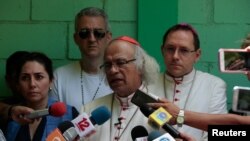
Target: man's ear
[[109, 36], [198, 55]]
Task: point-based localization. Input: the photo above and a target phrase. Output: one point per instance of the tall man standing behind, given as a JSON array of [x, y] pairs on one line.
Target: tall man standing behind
[[81, 82], [188, 88]]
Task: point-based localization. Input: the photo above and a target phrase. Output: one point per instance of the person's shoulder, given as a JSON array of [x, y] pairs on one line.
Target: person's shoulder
[[209, 77], [68, 68], [159, 78], [157, 87], [104, 98], [102, 101]]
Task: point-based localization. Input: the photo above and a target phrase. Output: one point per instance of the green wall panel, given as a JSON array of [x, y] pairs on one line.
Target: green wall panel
[[122, 10], [194, 11], [14, 10], [47, 38], [232, 11], [60, 10], [154, 18], [3, 88]]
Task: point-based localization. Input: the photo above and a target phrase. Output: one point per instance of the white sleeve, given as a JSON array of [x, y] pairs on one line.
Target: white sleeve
[[218, 97]]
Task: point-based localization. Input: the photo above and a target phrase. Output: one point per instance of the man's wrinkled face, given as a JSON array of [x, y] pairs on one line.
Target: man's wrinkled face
[[122, 73]]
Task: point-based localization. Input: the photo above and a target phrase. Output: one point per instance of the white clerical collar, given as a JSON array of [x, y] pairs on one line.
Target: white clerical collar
[[185, 79], [126, 101]]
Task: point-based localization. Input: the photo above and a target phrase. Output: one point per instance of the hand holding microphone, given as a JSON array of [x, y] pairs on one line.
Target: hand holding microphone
[[17, 112], [170, 107], [56, 109]]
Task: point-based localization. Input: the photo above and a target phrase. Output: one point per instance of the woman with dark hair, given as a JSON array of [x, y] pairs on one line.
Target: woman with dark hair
[[34, 77], [15, 97]]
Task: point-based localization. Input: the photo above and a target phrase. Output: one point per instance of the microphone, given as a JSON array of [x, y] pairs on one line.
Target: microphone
[[139, 133], [57, 109], [65, 132], [157, 136], [68, 130], [84, 124], [157, 120]]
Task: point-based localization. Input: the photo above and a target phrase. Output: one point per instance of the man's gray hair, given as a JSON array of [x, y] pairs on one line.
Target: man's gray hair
[[147, 65], [93, 12]]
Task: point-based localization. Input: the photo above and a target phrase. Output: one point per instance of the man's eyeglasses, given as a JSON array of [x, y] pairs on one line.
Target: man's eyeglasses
[[98, 33], [181, 51], [119, 63]]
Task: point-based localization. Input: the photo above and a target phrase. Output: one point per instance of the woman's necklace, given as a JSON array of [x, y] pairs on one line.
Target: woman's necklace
[[189, 92], [82, 89]]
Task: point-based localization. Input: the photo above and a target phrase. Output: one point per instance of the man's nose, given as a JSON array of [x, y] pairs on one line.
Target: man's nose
[[176, 53], [114, 68], [92, 36]]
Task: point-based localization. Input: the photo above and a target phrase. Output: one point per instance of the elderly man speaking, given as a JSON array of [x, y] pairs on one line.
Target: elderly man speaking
[[128, 68]]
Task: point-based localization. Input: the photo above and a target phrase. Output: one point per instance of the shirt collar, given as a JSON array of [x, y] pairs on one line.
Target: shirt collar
[[125, 102], [185, 79]]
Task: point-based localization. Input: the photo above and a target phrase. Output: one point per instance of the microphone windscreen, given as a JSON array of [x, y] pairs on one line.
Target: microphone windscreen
[[138, 131], [100, 115], [57, 109], [63, 126], [153, 135], [146, 110]]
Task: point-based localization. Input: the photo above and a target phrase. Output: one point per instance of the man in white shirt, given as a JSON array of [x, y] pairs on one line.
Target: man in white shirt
[[81, 82], [182, 84]]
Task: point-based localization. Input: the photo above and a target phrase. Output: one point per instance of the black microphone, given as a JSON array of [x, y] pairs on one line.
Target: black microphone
[[139, 133], [146, 110], [65, 131], [68, 130]]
